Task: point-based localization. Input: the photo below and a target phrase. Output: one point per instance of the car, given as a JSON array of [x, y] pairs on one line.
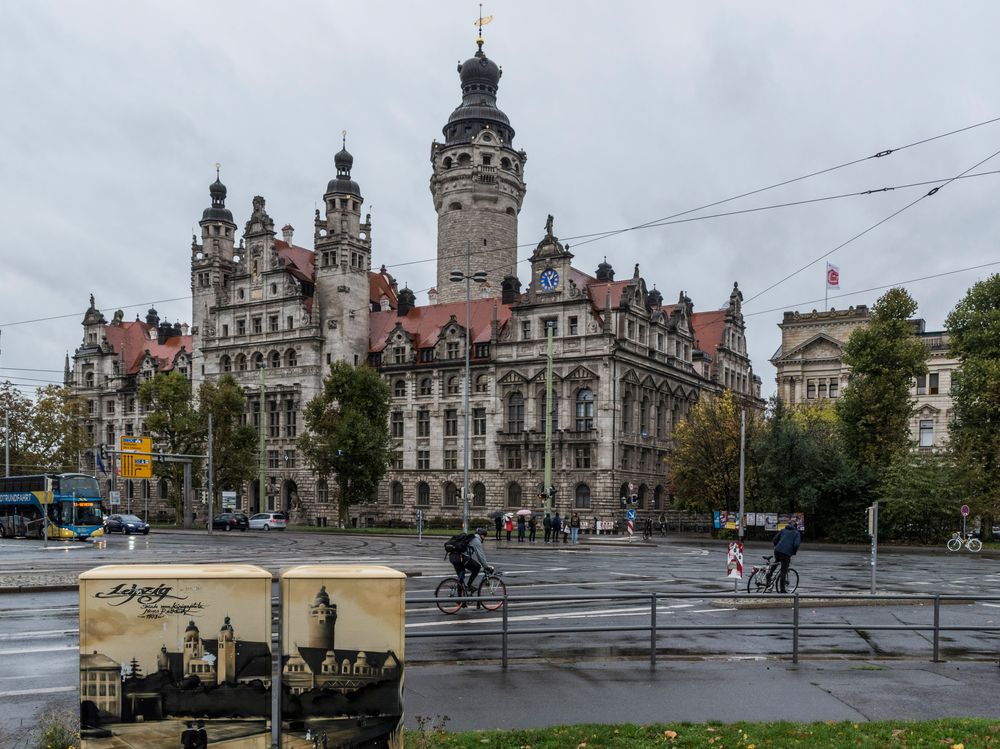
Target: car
[[230, 521], [125, 524], [269, 521]]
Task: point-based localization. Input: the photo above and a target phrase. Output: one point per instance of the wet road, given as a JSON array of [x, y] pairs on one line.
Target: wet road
[[39, 630]]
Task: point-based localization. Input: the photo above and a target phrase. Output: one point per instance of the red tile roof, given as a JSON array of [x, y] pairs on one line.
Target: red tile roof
[[301, 264], [131, 341], [381, 285], [599, 292], [424, 324], [708, 327]]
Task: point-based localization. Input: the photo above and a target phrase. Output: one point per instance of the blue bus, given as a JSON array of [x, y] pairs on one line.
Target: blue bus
[[71, 501]]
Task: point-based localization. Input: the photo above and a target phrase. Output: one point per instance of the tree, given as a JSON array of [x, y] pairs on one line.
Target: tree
[[974, 335], [885, 356], [47, 434], [804, 468], [347, 433], [921, 492], [174, 425], [18, 409], [705, 464], [234, 445]]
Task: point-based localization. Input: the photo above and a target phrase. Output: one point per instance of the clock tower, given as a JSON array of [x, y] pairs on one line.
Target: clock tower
[[550, 269]]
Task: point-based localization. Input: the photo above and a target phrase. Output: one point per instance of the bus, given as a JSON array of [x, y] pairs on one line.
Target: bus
[[72, 502]]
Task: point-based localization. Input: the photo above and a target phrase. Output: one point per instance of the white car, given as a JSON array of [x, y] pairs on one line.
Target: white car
[[268, 520]]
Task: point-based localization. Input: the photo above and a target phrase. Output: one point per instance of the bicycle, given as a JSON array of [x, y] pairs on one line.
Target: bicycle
[[955, 543], [764, 578], [491, 588], [647, 532]]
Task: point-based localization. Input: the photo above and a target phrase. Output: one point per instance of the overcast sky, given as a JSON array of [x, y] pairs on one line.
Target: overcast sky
[[629, 112]]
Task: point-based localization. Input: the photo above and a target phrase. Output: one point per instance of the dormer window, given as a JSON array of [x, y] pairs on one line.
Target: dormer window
[[487, 159], [453, 350]]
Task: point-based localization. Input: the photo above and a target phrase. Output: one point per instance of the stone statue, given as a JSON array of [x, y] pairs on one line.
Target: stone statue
[[548, 226]]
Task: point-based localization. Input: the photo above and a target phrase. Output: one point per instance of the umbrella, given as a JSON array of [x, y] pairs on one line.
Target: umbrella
[[496, 514], [524, 511]]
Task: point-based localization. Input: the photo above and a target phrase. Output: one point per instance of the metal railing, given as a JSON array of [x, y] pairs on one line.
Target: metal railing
[[795, 626]]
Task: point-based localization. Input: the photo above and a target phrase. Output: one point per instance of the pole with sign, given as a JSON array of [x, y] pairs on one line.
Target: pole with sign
[[734, 564], [965, 515], [873, 532], [630, 523]]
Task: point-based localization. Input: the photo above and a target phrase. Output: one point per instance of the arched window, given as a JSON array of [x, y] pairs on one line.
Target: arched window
[[453, 385], [581, 501], [456, 206], [162, 489], [642, 496], [274, 360], [515, 413], [322, 492], [482, 384], [658, 498], [257, 360], [514, 494], [426, 386], [541, 410], [478, 495], [584, 410], [447, 162], [241, 363], [291, 358], [399, 388], [88, 379], [423, 494], [396, 493], [464, 159], [450, 498], [505, 163], [225, 363]]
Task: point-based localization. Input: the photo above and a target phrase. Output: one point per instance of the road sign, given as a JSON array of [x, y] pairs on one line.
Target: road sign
[[630, 527], [965, 511], [630, 514], [136, 466], [133, 444], [114, 498], [734, 564]]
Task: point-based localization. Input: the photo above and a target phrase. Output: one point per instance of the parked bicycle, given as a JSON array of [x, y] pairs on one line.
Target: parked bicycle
[[764, 578], [491, 592], [956, 542]]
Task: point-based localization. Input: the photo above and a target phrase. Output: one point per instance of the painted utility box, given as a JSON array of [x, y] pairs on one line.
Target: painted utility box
[[164, 648], [342, 656]]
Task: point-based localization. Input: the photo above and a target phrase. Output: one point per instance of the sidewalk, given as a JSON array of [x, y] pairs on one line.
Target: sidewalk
[[535, 696]]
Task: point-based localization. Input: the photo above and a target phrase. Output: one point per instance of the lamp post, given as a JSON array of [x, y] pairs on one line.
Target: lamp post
[[457, 277]]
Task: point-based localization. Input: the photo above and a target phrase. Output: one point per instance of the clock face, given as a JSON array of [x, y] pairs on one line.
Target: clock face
[[549, 279]]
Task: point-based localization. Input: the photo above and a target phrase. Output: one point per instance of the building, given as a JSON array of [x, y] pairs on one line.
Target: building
[[627, 366], [811, 368]]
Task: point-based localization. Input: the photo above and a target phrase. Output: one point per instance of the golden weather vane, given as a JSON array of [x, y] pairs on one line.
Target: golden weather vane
[[483, 20]]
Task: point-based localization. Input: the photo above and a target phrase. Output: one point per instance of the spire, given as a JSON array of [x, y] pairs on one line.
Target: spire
[[343, 184], [66, 373], [217, 211], [480, 78]]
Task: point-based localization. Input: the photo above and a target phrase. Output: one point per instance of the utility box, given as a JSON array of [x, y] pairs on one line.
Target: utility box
[[164, 648], [342, 636]]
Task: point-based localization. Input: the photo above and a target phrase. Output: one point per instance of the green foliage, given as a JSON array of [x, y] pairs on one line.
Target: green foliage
[[234, 445], [974, 333], [884, 357], [58, 729], [921, 495], [705, 464], [348, 433], [174, 424], [46, 434], [804, 468]]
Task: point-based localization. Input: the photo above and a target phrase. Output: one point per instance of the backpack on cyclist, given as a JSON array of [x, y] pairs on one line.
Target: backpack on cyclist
[[457, 545]]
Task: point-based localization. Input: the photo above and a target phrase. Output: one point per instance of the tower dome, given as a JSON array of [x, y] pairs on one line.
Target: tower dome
[[605, 272], [342, 184], [480, 78], [654, 298], [217, 211]]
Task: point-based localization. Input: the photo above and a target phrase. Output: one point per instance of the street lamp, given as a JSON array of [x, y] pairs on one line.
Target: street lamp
[[457, 277]]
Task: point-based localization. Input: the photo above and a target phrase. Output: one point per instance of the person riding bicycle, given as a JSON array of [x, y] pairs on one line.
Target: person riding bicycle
[[473, 560], [786, 543]]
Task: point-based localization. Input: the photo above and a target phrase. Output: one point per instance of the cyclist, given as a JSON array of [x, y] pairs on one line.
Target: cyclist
[[473, 560], [786, 543], [647, 529]]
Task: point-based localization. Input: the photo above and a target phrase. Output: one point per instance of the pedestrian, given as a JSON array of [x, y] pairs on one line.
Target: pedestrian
[[547, 527], [532, 528], [596, 530], [663, 524], [574, 528], [498, 521], [509, 527], [786, 543], [520, 529], [189, 737], [202, 736], [556, 527]]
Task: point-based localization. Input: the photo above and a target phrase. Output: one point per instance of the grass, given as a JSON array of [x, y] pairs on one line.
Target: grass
[[949, 733]]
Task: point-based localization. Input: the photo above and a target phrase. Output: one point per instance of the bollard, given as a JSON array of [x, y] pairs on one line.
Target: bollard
[[170, 651], [652, 630], [503, 658], [937, 629], [342, 634], [795, 629]]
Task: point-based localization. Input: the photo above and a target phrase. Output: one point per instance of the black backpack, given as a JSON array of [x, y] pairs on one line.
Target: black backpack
[[458, 544]]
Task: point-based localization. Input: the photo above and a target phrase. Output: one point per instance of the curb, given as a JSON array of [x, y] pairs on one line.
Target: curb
[[817, 603]]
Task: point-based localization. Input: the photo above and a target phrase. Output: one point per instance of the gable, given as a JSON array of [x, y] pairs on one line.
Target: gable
[[820, 346]]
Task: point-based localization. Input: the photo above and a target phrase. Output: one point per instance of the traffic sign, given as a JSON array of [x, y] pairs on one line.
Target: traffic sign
[[136, 466], [630, 514], [133, 444], [114, 498], [965, 511]]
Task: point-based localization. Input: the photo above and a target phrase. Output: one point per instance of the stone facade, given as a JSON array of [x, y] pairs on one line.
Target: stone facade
[[811, 368], [626, 366]]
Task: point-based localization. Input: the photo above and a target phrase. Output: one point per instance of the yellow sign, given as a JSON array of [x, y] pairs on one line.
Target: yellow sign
[[132, 444], [136, 466]]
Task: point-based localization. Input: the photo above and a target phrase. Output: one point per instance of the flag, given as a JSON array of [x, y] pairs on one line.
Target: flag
[[100, 463], [832, 276]]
